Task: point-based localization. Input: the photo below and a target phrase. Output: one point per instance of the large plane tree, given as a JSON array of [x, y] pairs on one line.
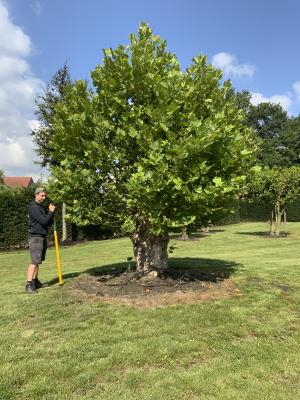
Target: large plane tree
[[148, 147]]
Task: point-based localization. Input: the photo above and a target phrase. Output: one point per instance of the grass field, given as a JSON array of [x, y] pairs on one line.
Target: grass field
[[55, 346]]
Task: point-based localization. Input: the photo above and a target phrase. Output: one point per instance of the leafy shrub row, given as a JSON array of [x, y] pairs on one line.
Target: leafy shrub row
[[14, 221], [14, 218]]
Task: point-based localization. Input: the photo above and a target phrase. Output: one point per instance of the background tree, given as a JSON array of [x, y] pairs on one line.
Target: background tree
[[243, 101], [151, 148], [277, 186], [46, 103], [270, 122], [289, 140]]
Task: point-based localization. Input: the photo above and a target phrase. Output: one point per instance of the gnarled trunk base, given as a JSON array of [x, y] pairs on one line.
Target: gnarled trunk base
[[151, 252]]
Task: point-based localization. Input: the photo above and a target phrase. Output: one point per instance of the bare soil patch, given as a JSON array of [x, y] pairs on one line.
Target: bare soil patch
[[175, 286]]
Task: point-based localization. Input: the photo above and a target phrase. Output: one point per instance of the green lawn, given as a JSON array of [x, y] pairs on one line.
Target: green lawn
[[54, 346]]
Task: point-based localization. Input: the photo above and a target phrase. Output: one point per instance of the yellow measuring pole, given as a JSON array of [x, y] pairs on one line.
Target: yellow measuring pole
[[57, 254]]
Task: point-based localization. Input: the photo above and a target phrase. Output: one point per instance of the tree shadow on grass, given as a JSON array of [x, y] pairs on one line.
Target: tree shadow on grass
[[204, 269], [187, 268], [264, 234], [196, 235], [211, 230], [117, 268], [65, 277]]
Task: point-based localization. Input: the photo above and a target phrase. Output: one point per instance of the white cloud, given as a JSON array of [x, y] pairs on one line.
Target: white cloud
[[228, 63], [18, 91], [12, 39], [13, 155], [11, 67], [284, 100], [296, 87]]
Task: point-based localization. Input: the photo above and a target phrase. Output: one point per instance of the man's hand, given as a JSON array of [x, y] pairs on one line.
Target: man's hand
[[51, 207]]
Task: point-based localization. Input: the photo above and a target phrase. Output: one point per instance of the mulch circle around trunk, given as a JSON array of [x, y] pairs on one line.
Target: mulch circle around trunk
[[174, 286]]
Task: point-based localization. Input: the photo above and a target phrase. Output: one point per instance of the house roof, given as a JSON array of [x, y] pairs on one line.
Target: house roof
[[18, 181]]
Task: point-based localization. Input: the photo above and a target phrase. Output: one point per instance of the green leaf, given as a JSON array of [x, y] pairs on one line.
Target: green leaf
[[178, 183], [132, 132], [218, 181], [246, 152], [108, 52], [164, 127]]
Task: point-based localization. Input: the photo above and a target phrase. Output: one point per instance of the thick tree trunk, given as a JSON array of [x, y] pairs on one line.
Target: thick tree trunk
[[151, 252]]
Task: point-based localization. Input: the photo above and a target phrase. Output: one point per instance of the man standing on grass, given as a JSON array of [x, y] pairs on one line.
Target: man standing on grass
[[39, 221]]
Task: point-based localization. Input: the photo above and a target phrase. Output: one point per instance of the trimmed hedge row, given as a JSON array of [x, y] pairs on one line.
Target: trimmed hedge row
[[244, 211], [14, 217], [14, 221], [260, 211]]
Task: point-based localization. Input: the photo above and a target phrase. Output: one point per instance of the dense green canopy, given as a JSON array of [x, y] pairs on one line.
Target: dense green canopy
[[149, 140], [149, 145]]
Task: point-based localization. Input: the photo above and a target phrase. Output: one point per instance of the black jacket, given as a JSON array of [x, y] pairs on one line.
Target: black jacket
[[38, 219]]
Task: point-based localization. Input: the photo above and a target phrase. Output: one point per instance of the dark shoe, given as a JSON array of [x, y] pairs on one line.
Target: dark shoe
[[37, 284], [30, 288]]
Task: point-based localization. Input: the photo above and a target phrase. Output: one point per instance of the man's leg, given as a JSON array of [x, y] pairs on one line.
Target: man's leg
[[36, 251], [30, 287], [37, 283], [31, 272], [36, 272]]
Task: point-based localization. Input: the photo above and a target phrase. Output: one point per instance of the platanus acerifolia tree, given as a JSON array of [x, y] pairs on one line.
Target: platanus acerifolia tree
[[277, 186], [150, 147]]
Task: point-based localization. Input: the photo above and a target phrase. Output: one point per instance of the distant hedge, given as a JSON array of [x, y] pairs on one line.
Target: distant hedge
[[14, 221], [229, 215], [244, 210], [260, 211], [14, 218]]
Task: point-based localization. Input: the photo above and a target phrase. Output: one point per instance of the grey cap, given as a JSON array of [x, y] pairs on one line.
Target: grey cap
[[39, 190]]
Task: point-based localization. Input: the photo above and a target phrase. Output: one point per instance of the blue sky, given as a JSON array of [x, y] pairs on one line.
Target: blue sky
[[256, 43]]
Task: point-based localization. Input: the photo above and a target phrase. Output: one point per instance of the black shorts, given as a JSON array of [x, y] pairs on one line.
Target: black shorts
[[37, 249]]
